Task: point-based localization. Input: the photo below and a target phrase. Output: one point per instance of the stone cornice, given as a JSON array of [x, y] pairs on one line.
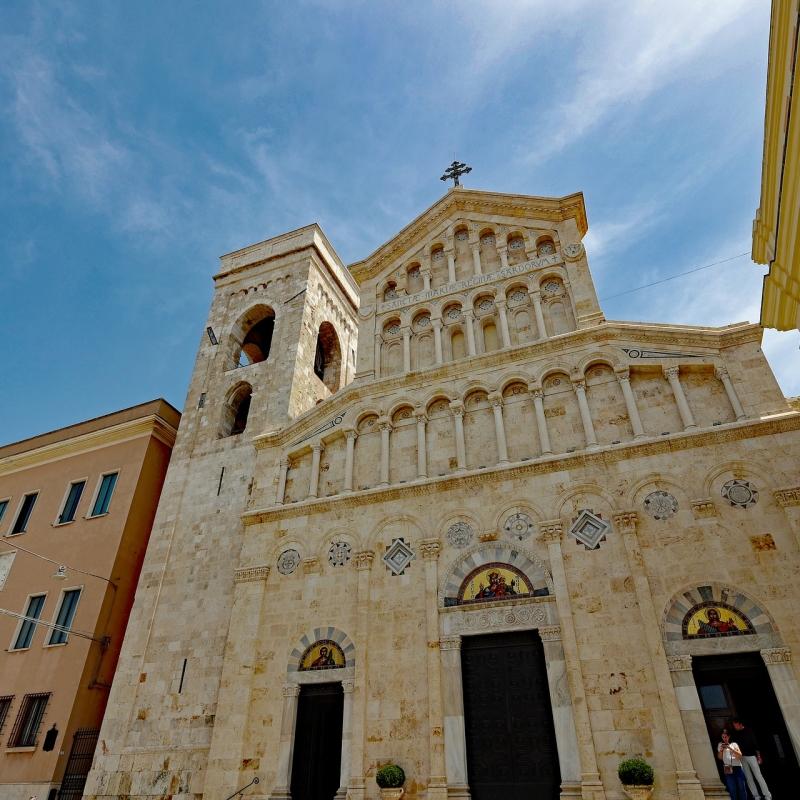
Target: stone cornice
[[710, 339], [458, 202], [602, 457], [151, 425]]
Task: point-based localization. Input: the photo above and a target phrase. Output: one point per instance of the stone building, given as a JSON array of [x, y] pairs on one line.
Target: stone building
[[434, 509], [76, 509]]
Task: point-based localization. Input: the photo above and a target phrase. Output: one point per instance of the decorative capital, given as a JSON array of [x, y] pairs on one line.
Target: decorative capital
[[348, 685], [679, 663], [405, 330], [776, 655], [457, 407], [703, 509], [363, 559], [430, 549], [384, 423], [437, 323], [450, 643], [475, 246], [537, 393], [291, 690], [579, 385], [317, 447], [721, 373], [351, 433], [311, 565], [495, 398], [285, 463], [550, 633], [626, 521], [249, 574], [488, 536], [787, 497], [500, 302], [551, 530], [420, 414], [671, 373], [468, 313], [623, 375]]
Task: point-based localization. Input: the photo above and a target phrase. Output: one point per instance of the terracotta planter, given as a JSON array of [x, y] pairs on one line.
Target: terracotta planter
[[638, 792], [392, 794]]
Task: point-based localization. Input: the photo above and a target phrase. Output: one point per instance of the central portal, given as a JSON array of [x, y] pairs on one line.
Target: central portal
[[316, 765], [511, 743]]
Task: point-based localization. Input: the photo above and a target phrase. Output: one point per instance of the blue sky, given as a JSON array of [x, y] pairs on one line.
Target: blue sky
[[141, 141]]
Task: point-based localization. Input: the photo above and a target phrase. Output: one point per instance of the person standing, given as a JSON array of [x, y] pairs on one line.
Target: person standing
[[751, 759], [730, 755]]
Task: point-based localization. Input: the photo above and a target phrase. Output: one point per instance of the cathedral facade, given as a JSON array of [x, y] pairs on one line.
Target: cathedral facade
[[433, 509]]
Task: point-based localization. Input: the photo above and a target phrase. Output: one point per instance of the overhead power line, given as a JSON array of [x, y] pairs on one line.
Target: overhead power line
[[672, 277]]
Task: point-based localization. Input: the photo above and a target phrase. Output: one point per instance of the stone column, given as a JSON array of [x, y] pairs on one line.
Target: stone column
[[501, 307], [406, 331], [351, 435], [564, 720], [386, 429], [437, 339], [502, 251], [586, 417], [722, 375], [476, 258], [671, 374], [426, 279], [451, 265], [694, 724], [624, 378], [784, 682], [378, 342], [283, 772], [348, 687], [316, 452], [536, 297], [496, 399], [422, 461], [455, 735], [591, 785], [469, 319], [280, 494], [437, 783], [541, 421], [689, 787], [457, 407], [356, 789], [789, 500]]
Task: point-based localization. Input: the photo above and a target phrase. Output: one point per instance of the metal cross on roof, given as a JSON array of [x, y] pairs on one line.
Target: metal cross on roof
[[454, 171]]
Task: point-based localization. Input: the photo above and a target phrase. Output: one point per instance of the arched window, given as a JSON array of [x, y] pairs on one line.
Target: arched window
[[252, 336], [237, 410], [328, 357]]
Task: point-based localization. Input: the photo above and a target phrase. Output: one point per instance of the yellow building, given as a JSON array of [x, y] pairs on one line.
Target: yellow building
[[775, 229]]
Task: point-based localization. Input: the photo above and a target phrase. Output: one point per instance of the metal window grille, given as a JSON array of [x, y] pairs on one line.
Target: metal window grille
[[5, 705], [78, 764], [71, 504], [29, 720], [21, 522]]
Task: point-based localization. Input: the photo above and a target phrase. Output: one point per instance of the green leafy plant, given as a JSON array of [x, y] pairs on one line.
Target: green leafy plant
[[390, 776], [636, 772]]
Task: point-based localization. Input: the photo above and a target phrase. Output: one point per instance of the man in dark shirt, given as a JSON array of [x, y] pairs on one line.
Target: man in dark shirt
[[751, 759]]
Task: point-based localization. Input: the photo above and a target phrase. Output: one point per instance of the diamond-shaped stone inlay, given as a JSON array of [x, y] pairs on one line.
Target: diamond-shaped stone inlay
[[393, 329], [459, 535], [454, 313], [740, 494], [398, 556], [589, 529], [661, 505], [423, 322], [339, 554], [518, 295], [288, 562], [485, 305]]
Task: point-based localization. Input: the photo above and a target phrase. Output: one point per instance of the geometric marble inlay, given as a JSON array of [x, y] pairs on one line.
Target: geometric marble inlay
[[519, 526], [339, 554], [459, 535], [740, 494], [288, 562], [589, 529], [661, 505], [398, 556]]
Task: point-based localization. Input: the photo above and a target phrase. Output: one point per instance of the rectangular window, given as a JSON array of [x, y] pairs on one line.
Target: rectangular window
[[21, 522], [103, 498], [28, 627], [28, 721], [69, 602], [5, 705], [3, 507], [71, 503], [6, 560]]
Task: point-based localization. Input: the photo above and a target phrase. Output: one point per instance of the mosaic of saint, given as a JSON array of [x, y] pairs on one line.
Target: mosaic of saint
[[324, 654], [495, 582], [715, 619]]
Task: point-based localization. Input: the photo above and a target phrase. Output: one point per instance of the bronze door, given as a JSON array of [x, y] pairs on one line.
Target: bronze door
[[316, 765], [511, 743]]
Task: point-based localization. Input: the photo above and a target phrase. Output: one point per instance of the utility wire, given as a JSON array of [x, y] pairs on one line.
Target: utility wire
[[59, 563], [672, 277], [53, 625]]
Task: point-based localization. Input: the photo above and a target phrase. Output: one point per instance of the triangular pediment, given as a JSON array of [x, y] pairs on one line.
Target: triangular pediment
[[460, 202]]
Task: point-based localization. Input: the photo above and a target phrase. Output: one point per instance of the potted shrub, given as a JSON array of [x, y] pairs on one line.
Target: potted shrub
[[637, 777], [390, 778]]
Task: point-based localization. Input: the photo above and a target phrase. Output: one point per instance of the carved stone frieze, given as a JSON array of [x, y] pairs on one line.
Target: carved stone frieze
[[679, 663], [787, 497], [450, 643], [510, 617], [430, 549], [704, 509], [776, 655], [551, 633], [291, 690], [552, 531], [248, 574], [626, 521], [363, 559]]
